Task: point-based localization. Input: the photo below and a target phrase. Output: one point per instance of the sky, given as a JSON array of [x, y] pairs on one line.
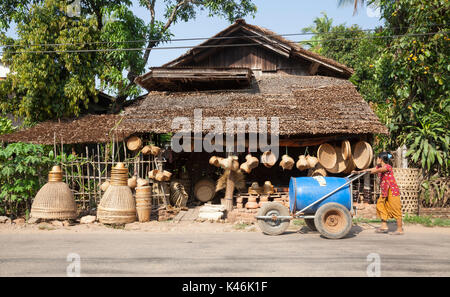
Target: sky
[[280, 16]]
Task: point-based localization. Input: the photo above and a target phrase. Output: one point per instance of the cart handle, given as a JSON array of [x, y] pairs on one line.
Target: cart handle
[[332, 192]]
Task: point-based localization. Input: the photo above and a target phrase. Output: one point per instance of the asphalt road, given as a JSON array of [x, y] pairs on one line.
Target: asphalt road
[[224, 254]]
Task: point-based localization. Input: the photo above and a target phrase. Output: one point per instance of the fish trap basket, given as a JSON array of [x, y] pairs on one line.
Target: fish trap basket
[[54, 201], [117, 205]]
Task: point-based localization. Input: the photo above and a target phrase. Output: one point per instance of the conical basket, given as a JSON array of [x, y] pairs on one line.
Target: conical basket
[[117, 205], [362, 154], [54, 200]]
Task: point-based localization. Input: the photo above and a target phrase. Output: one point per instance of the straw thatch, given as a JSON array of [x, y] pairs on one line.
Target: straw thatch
[[304, 105], [309, 105]]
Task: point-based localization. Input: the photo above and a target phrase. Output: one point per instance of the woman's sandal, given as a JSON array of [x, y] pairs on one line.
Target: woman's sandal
[[379, 230]]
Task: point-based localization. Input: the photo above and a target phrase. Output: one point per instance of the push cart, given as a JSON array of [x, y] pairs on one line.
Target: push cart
[[325, 203]]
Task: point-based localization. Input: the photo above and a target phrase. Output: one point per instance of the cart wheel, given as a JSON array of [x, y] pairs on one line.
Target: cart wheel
[[333, 220], [310, 224], [273, 227]]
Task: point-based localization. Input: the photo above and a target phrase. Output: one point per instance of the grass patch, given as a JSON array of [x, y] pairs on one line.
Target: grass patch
[[240, 226], [115, 226], [46, 227], [427, 221], [298, 222]]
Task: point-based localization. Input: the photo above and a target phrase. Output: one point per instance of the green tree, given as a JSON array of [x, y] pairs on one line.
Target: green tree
[[322, 25], [60, 82]]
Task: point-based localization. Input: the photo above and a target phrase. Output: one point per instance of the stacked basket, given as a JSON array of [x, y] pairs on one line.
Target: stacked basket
[[143, 203], [117, 205]]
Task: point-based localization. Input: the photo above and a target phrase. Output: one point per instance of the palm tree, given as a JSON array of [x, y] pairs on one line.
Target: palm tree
[[321, 25], [355, 4]]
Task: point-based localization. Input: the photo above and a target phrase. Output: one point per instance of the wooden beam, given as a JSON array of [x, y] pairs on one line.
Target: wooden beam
[[313, 68]]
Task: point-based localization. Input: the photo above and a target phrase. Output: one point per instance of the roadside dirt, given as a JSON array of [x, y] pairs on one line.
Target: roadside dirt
[[185, 227]]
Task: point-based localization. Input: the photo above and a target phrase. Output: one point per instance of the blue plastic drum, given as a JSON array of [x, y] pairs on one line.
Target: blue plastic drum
[[306, 190]]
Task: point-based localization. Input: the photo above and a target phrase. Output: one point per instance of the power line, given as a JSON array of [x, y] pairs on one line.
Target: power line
[[215, 45], [212, 38]]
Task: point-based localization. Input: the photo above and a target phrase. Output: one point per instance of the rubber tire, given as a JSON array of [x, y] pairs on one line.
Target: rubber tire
[[265, 227], [327, 209], [311, 225]]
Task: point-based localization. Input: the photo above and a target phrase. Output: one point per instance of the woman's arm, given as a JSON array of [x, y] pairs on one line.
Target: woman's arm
[[373, 170]]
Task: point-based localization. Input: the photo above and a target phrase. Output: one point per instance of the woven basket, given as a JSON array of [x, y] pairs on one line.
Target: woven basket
[[362, 154], [326, 154], [205, 189], [268, 159], [244, 167], [287, 163], [318, 170], [146, 150], [346, 149], [134, 143], [54, 200], [408, 178], [143, 203], [117, 205], [252, 162], [302, 164], [408, 181], [341, 164], [312, 161]]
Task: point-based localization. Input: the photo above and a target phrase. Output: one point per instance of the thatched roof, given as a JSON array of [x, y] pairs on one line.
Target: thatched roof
[[86, 129], [305, 105], [264, 37]]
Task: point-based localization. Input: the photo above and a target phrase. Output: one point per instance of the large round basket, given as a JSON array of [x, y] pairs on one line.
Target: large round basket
[[346, 149], [134, 143], [341, 164], [326, 154], [205, 189], [362, 154], [408, 180]]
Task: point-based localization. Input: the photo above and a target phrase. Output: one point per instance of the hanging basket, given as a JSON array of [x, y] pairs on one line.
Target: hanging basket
[[302, 164], [268, 159], [287, 163]]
